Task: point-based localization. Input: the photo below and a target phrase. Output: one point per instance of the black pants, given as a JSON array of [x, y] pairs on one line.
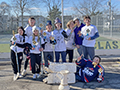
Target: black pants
[[35, 62], [70, 54], [26, 63], [14, 62]]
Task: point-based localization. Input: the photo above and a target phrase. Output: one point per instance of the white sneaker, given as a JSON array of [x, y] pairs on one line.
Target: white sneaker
[[34, 76], [24, 72], [15, 77], [20, 76], [38, 75]]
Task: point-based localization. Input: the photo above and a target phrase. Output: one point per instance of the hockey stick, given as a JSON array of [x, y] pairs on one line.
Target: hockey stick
[[14, 38]]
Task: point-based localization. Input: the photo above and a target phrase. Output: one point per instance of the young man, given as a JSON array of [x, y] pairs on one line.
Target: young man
[[89, 70], [89, 33], [60, 47], [28, 32], [78, 39], [48, 51]]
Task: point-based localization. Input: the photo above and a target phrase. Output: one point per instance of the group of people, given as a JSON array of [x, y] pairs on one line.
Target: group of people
[[33, 40]]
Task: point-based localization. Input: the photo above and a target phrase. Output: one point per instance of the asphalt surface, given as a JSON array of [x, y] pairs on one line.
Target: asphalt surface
[[111, 81]]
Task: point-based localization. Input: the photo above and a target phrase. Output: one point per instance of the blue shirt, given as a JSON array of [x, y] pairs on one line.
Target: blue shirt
[[78, 39]]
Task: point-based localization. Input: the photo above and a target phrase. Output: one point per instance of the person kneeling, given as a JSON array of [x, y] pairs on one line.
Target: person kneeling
[[88, 70]]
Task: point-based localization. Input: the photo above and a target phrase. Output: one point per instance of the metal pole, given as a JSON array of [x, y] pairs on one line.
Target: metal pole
[[62, 13], [111, 24]]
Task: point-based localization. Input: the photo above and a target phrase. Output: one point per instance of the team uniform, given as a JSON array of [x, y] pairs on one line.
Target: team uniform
[[88, 45], [18, 50], [60, 46], [70, 44], [87, 72], [48, 51], [35, 54], [78, 39]]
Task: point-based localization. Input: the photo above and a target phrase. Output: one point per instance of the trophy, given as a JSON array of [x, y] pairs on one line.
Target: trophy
[[100, 73], [14, 38], [44, 36], [34, 44], [88, 31], [53, 40], [41, 25], [79, 33], [94, 63]]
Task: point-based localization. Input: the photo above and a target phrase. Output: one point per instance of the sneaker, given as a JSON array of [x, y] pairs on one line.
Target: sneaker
[[34, 76], [46, 72], [20, 76], [24, 72], [15, 77], [38, 75]]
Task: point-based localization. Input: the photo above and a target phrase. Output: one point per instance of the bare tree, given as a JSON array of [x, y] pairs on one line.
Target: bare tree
[[89, 7], [4, 8], [23, 6], [51, 3]]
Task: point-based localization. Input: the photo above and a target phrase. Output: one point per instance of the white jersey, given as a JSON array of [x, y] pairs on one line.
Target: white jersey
[[70, 40], [28, 31], [88, 31], [19, 40], [48, 46], [37, 46], [60, 45]]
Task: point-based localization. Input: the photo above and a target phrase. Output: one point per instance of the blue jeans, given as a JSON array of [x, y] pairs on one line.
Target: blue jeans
[[63, 55], [48, 56]]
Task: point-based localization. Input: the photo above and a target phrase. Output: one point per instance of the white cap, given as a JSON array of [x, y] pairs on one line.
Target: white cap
[[35, 28], [76, 18]]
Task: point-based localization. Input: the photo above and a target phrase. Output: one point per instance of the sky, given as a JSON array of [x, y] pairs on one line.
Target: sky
[[68, 6]]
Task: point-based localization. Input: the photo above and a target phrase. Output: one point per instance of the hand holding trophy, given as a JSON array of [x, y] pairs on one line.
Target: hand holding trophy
[[94, 63], [34, 44], [100, 75], [53, 40], [88, 31], [41, 25], [79, 33]]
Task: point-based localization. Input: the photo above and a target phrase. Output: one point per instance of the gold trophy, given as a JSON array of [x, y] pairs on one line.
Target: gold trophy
[[34, 44], [52, 38], [44, 34], [94, 63], [41, 25], [14, 38], [79, 33], [100, 73], [88, 31]]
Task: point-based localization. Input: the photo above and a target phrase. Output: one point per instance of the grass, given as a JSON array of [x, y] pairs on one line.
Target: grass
[[4, 48], [103, 39]]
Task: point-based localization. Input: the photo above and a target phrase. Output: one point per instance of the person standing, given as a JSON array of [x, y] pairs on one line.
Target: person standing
[[78, 39], [28, 32], [89, 33], [19, 38], [70, 40], [48, 51], [35, 53], [60, 35]]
